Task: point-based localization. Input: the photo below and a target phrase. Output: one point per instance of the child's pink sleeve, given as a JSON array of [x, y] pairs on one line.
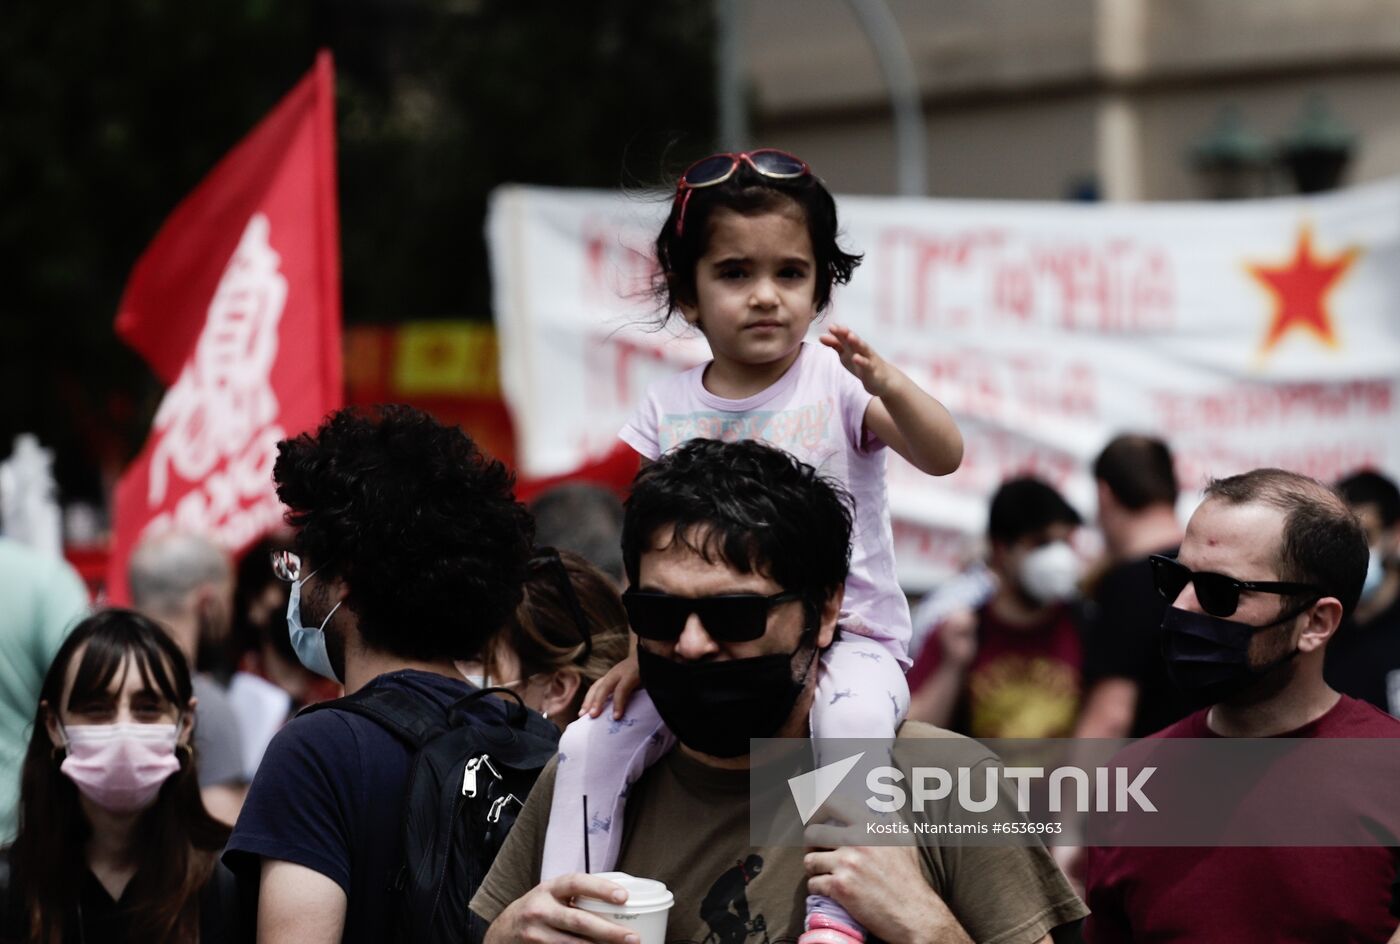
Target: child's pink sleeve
[[854, 401]]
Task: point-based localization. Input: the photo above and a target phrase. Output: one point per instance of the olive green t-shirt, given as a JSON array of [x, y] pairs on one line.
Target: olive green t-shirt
[[687, 824]]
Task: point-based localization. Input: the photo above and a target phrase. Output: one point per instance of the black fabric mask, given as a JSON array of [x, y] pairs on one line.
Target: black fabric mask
[[715, 707], [1208, 656]]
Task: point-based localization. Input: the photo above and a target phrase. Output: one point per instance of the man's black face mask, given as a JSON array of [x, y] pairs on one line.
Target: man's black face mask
[[1208, 656], [716, 707]]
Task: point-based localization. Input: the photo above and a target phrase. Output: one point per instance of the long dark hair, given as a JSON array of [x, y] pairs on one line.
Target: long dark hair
[[543, 633], [179, 841]]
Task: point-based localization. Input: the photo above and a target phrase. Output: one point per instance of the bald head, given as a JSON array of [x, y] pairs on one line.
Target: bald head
[[165, 571], [1323, 543]]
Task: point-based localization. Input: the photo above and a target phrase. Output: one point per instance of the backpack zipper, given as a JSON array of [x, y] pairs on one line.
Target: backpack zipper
[[494, 814], [469, 774]]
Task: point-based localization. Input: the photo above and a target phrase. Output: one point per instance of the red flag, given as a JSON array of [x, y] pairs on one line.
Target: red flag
[[236, 305]]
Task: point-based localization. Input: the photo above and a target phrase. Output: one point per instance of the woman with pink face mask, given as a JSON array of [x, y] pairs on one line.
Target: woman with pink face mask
[[114, 842]]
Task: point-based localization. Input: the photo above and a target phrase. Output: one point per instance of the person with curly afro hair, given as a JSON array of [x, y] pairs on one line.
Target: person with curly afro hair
[[411, 551]]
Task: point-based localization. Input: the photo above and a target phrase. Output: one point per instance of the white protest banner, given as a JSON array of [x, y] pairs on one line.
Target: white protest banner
[[1246, 334]]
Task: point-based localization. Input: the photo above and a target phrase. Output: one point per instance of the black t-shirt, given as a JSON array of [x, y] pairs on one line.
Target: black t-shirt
[[328, 795], [1363, 661], [95, 918], [1124, 640], [98, 918]]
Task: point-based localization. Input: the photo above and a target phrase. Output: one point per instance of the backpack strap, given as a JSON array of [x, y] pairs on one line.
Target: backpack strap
[[409, 717], [416, 720], [509, 705]]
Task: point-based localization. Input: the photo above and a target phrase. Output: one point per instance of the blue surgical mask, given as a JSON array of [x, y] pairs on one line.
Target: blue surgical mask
[[1375, 574], [309, 644]]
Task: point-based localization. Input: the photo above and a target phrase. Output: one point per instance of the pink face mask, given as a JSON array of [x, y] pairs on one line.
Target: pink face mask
[[120, 767]]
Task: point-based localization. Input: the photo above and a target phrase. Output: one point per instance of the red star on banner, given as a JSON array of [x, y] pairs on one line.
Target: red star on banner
[[1300, 289]]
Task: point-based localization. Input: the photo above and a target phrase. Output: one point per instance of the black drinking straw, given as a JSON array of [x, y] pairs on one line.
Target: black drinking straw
[[586, 866]]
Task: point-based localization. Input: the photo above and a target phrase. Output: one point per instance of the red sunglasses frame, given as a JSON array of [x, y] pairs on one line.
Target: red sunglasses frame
[[684, 186]]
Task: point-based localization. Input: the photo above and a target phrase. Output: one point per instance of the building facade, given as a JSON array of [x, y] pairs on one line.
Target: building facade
[[1054, 99]]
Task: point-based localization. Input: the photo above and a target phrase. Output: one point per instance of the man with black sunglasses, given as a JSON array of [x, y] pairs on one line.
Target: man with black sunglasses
[[1270, 563], [737, 555]]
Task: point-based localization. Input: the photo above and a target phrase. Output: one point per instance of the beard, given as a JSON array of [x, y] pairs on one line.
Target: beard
[[315, 606], [1276, 646]]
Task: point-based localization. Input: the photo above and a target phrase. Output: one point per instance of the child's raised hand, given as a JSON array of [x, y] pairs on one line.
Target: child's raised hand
[[860, 359], [621, 681]]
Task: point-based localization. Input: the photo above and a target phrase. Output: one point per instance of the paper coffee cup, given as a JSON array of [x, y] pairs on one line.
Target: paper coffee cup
[[645, 911]]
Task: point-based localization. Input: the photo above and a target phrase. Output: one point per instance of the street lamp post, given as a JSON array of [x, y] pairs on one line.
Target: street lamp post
[[1318, 150], [1232, 161]]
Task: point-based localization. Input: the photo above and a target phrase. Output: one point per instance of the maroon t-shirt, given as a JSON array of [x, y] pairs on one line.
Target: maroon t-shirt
[[1024, 682], [1230, 895]]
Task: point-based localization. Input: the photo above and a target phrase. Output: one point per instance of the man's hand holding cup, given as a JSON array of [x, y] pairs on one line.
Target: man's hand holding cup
[[604, 908]]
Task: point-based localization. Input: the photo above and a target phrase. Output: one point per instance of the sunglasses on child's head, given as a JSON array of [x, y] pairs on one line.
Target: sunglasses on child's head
[[1218, 594], [717, 168], [727, 617]]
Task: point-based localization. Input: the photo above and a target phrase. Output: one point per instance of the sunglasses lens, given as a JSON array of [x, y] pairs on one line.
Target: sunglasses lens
[[656, 616], [709, 170], [1170, 577], [777, 163], [286, 566], [662, 617], [734, 618], [1217, 594]]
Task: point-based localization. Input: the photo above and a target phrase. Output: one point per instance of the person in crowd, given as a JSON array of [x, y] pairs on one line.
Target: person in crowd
[[583, 518], [115, 843], [965, 591], [410, 554], [184, 582], [736, 556], [568, 631], [41, 598], [1269, 565], [1363, 661], [1128, 692], [749, 257], [1013, 667], [261, 645]]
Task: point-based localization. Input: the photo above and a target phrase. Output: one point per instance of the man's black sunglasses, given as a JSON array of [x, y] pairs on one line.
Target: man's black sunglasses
[[727, 617], [1218, 594]]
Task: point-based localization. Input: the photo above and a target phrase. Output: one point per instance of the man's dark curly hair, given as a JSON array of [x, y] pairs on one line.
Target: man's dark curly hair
[[750, 505], [422, 526]]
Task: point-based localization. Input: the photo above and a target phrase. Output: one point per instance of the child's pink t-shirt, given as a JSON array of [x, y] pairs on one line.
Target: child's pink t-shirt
[[815, 411]]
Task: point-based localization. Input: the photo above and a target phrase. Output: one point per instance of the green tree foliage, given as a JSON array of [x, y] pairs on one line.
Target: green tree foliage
[[110, 112]]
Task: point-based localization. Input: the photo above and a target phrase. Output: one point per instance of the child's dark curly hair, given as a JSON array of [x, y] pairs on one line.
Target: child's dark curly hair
[[749, 193], [422, 526]]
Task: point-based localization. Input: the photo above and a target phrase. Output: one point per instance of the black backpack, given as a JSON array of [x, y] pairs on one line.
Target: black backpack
[[473, 765]]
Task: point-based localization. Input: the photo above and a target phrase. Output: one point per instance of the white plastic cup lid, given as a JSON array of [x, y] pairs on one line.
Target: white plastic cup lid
[[643, 894]]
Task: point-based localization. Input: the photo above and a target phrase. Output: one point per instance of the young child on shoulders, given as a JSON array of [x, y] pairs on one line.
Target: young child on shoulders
[[749, 256]]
